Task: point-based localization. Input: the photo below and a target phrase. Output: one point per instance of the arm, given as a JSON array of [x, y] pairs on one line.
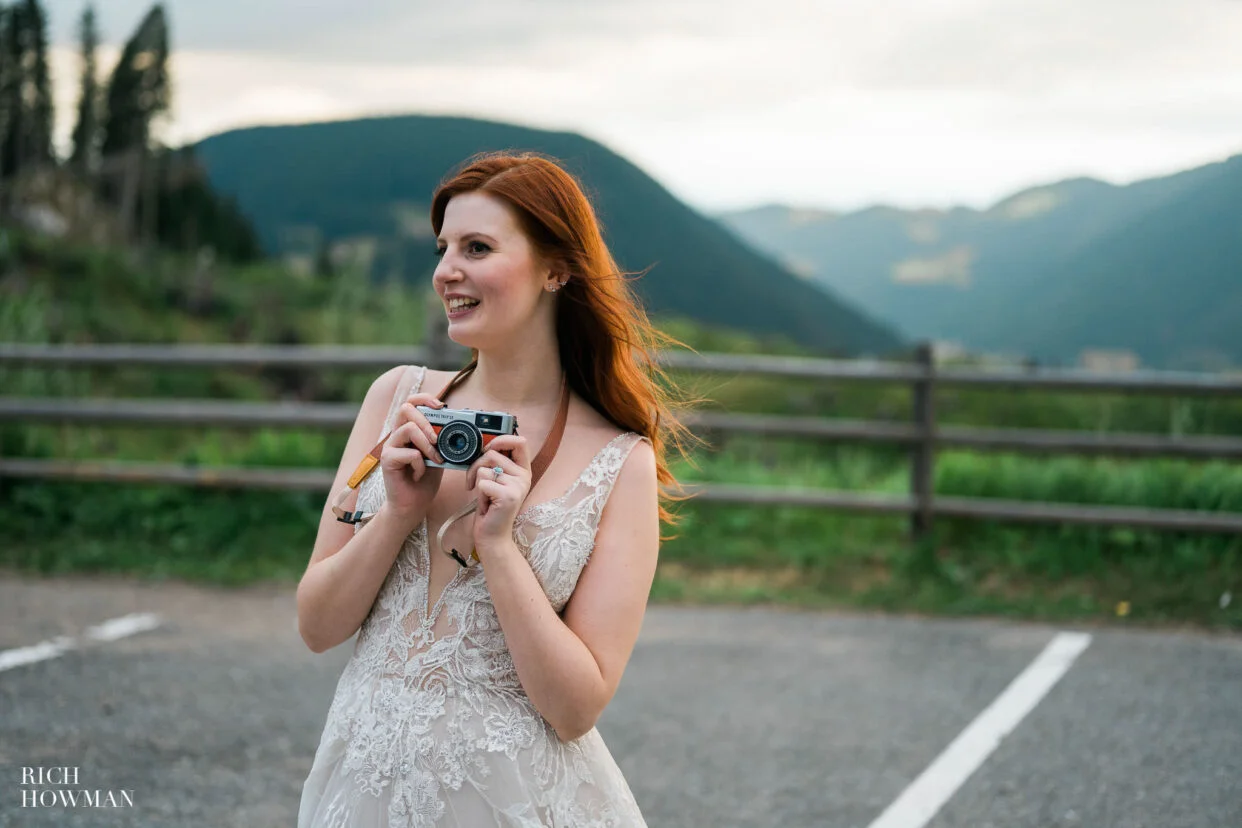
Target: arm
[[347, 568], [571, 668]]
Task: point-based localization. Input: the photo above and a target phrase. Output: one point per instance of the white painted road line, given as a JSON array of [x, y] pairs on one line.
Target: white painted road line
[[125, 625], [925, 796], [36, 652], [111, 630]]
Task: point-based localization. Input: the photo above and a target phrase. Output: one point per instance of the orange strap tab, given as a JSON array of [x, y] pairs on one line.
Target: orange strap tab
[[364, 468]]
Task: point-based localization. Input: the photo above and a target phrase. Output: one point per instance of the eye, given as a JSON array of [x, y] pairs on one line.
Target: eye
[[440, 251], [482, 248]]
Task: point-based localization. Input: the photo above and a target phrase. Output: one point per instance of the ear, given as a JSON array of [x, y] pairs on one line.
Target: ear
[[557, 274]]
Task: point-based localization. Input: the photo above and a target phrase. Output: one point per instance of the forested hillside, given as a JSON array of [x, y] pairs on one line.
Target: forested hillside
[[1154, 267], [370, 182]]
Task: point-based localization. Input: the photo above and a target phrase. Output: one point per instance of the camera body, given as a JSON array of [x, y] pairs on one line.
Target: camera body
[[463, 434]]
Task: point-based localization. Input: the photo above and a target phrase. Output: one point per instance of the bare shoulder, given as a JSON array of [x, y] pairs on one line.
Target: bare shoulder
[[383, 389], [588, 428], [390, 378], [592, 430]]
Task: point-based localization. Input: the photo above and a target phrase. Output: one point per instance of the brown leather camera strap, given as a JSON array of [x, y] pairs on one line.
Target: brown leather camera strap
[[371, 461]]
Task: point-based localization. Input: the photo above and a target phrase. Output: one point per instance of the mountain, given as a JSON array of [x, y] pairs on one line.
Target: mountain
[[372, 180], [1153, 267]]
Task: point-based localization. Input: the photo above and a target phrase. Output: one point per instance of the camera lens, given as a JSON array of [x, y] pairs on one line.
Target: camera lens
[[459, 442]]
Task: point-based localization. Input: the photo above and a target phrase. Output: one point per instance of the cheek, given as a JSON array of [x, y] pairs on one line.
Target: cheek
[[508, 289]]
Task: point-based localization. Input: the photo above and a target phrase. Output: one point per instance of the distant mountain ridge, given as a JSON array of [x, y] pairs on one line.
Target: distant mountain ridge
[[373, 178], [1153, 267]]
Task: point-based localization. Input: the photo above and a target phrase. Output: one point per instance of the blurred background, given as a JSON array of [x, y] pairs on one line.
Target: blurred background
[[860, 200]]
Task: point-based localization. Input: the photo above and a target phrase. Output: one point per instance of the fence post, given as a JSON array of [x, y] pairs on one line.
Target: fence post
[[922, 478]]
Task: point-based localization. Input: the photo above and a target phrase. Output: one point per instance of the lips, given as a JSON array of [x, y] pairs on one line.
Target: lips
[[457, 313]]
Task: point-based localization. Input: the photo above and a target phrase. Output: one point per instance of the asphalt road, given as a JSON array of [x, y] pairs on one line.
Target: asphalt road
[[725, 717]]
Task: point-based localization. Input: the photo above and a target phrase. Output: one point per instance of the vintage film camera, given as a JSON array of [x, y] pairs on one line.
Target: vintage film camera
[[462, 434]]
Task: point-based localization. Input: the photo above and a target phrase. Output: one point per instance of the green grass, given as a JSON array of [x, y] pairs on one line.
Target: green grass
[[822, 558], [785, 555]]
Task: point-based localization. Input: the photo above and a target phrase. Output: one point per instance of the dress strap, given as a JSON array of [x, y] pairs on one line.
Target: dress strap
[[612, 459]]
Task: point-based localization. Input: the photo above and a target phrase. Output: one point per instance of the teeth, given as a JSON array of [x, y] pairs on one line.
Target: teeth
[[458, 303]]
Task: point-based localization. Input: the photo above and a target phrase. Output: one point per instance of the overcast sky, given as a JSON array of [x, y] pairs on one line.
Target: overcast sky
[[730, 103]]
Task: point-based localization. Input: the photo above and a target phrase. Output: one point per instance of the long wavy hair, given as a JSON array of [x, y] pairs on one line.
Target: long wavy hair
[[608, 347]]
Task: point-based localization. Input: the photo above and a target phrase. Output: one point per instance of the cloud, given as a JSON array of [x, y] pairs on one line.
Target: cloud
[[829, 102]]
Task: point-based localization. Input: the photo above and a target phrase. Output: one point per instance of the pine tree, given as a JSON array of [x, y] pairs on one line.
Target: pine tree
[[25, 89], [6, 98], [11, 108], [39, 84], [139, 89], [86, 131]]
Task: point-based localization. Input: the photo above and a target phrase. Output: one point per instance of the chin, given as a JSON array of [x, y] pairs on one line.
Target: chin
[[462, 335], [466, 336]]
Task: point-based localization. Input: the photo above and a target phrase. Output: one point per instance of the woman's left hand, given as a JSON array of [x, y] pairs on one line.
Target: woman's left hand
[[501, 499]]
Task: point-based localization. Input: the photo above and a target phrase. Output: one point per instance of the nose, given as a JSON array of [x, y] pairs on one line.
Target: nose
[[446, 272]]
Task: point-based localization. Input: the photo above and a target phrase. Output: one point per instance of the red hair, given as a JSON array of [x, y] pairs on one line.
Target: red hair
[[607, 344]]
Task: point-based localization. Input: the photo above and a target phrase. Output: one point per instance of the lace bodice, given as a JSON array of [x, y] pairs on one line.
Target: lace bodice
[[428, 700]]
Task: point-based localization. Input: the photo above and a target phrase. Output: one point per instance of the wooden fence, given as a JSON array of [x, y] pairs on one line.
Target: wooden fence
[[921, 434]]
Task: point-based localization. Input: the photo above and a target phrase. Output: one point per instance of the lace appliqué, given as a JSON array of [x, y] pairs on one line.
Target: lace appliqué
[[419, 714]]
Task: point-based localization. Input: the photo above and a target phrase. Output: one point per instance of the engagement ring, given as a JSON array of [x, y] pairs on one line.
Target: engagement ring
[[497, 472]]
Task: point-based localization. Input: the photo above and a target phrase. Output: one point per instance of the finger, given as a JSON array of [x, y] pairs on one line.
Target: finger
[[418, 465], [515, 445], [472, 473], [486, 462], [490, 492], [484, 465], [411, 434], [495, 458], [411, 414], [395, 458], [484, 503]]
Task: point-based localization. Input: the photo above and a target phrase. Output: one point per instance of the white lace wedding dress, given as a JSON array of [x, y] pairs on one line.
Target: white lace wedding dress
[[430, 725]]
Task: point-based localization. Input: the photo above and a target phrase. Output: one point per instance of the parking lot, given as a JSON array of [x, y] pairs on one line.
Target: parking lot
[[205, 704]]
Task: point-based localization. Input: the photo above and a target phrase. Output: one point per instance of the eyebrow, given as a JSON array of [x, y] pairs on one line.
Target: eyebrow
[[470, 235]]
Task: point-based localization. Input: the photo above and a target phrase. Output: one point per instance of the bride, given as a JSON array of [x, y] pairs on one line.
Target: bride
[[495, 607]]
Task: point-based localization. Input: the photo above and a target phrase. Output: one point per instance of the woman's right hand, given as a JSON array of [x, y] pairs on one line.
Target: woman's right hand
[[410, 483]]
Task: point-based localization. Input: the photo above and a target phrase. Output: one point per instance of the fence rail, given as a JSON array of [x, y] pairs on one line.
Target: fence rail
[[1173, 383], [921, 435], [335, 416]]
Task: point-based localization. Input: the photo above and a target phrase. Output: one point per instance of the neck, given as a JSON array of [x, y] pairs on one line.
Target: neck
[[520, 377]]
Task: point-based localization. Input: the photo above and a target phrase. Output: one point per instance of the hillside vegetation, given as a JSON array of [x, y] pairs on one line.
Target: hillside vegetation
[[370, 182], [1154, 267]]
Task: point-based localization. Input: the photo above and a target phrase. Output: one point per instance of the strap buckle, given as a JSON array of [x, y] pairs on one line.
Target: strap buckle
[[352, 517]]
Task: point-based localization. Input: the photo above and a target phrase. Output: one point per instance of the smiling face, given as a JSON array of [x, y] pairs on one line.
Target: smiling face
[[489, 276]]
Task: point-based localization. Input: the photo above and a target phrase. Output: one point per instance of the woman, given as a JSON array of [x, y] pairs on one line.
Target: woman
[[490, 642]]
